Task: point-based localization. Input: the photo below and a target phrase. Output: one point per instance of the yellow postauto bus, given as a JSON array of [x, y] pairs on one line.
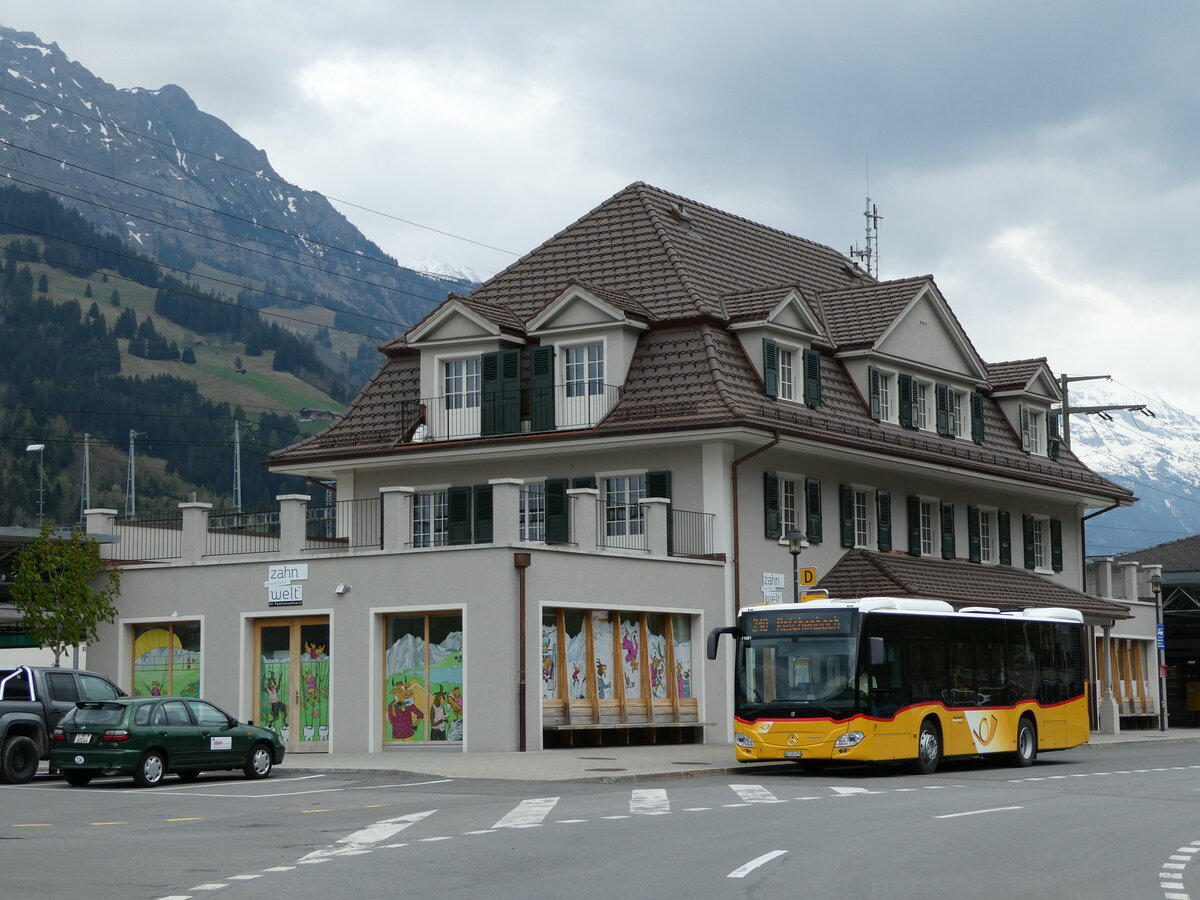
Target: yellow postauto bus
[[885, 679]]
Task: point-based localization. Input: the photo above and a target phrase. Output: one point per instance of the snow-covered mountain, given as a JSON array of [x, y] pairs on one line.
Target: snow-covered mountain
[[1155, 456], [184, 187]]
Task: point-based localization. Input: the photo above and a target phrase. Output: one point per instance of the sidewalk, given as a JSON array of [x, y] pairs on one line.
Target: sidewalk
[[601, 764]]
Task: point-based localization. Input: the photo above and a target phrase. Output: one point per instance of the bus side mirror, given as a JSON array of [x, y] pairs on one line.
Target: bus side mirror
[[714, 637], [878, 653]]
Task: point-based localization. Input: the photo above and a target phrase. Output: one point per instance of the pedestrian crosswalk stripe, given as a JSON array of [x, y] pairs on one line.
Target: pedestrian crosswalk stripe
[[754, 793], [527, 813], [649, 802]]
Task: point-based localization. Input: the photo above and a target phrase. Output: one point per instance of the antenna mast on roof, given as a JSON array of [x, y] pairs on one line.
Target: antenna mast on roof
[[869, 254]]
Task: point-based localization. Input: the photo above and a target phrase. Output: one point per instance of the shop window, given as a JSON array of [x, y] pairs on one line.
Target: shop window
[[166, 660], [423, 678]]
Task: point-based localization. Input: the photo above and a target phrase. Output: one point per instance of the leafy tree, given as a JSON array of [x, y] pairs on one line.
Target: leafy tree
[[53, 590]]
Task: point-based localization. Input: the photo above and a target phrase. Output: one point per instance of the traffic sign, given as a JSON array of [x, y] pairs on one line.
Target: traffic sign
[[808, 577]]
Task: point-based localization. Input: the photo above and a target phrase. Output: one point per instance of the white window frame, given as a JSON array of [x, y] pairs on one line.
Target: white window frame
[[1041, 544], [1037, 432], [431, 517], [931, 525], [887, 407], [863, 503], [989, 536], [957, 425], [787, 372], [630, 521], [583, 377], [921, 411], [463, 395], [791, 505]]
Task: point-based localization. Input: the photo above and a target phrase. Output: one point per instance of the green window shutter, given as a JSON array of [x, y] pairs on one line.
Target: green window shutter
[[812, 377], [558, 518], [942, 393], [541, 388], [509, 419], [914, 525], [974, 550], [658, 484], [458, 515], [812, 510], [846, 510], [1026, 441], [771, 367], [772, 515], [483, 514], [883, 518], [905, 387], [1004, 527], [584, 481], [489, 393], [1027, 537], [947, 512], [1053, 436], [873, 389], [1056, 545], [977, 429]]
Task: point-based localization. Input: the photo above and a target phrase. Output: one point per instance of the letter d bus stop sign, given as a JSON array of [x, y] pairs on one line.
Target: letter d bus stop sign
[[808, 577]]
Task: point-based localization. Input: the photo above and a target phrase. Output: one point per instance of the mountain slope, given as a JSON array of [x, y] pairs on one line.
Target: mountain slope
[[1154, 456], [156, 171]]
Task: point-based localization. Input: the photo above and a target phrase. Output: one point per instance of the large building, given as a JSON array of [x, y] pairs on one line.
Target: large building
[[554, 487]]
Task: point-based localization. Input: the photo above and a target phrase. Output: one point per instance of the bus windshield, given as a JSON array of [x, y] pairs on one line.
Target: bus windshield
[[795, 670]]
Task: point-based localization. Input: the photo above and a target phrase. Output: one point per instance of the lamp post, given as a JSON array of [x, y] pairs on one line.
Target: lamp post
[[796, 543], [41, 452], [1160, 637]]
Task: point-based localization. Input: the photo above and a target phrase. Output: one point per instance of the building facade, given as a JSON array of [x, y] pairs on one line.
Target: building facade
[[553, 488]]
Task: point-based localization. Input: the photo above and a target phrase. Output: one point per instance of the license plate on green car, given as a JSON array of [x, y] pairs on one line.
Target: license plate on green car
[[81, 739]]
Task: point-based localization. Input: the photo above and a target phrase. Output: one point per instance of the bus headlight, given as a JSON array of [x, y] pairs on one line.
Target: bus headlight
[[849, 739], [743, 740]]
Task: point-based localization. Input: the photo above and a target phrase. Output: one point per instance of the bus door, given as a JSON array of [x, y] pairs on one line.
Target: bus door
[[891, 733]]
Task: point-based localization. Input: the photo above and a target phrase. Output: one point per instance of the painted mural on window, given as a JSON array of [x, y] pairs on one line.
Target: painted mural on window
[[166, 660], [549, 656], [602, 650], [681, 636], [658, 657], [631, 655], [423, 680], [314, 682], [276, 688], [577, 655]]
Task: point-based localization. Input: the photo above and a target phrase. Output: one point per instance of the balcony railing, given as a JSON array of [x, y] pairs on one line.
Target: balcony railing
[[621, 526], [345, 524], [528, 411], [149, 537], [233, 531], [691, 533]]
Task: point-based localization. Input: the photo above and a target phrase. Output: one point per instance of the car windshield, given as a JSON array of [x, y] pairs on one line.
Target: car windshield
[[96, 714], [807, 671]]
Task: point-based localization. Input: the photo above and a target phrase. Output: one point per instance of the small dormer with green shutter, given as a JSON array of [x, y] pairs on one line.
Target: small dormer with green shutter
[[779, 332], [1029, 396]]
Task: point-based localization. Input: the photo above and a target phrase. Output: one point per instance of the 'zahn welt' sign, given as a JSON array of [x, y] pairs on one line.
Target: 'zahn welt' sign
[[280, 589]]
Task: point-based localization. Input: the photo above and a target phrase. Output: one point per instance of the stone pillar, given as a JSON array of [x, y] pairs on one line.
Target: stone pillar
[[506, 510], [1129, 580], [101, 522], [1104, 578], [292, 511], [656, 510], [397, 517], [1110, 713], [194, 541], [585, 504]]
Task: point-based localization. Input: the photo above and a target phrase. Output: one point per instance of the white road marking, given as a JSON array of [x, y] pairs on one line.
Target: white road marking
[[649, 802], [279, 869], [755, 793], [210, 886], [366, 838], [250, 877], [528, 812], [375, 787], [851, 791], [978, 812], [743, 871]]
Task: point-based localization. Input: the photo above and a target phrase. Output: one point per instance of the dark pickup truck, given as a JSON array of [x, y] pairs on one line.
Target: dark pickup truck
[[32, 700]]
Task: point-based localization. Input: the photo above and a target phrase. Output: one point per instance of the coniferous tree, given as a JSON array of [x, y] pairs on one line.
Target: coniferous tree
[[87, 289]]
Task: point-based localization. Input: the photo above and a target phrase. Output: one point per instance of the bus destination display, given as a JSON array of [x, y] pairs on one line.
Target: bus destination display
[[825, 622]]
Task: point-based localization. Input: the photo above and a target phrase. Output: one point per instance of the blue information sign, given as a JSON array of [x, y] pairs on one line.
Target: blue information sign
[[1162, 642]]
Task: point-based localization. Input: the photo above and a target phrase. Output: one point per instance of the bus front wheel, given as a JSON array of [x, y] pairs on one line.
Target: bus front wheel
[[929, 748], [1026, 751]]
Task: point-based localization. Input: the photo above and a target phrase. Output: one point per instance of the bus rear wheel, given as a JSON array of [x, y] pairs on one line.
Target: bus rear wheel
[[1026, 751], [929, 748]]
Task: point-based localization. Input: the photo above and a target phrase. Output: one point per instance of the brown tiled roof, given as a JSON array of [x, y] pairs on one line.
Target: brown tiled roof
[[858, 316], [619, 299], [1182, 555], [753, 306], [867, 573], [1014, 375]]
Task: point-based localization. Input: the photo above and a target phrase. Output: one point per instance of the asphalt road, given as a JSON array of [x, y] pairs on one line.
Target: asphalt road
[[1089, 823]]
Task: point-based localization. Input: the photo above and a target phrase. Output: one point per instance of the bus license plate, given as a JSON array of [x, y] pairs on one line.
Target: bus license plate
[[82, 739], [792, 754]]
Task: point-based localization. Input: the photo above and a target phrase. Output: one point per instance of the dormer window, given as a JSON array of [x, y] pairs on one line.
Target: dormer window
[[787, 377], [583, 370], [461, 383], [1039, 432], [782, 377]]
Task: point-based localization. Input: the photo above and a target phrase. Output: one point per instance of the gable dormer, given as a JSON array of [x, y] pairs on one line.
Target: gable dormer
[[1026, 391], [778, 329]]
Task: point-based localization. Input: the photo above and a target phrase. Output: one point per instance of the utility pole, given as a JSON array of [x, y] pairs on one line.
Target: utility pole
[[131, 477], [237, 465], [1067, 408], [86, 495]]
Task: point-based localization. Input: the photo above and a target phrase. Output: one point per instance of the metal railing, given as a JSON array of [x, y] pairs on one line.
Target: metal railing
[[526, 411], [233, 531], [345, 524], [621, 526], [148, 537], [691, 533]]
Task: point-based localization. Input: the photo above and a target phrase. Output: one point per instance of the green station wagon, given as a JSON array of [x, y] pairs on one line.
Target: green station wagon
[[148, 737]]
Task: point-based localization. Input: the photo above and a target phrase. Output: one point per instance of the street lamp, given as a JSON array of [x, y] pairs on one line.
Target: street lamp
[[41, 452], [796, 543], [1160, 637]]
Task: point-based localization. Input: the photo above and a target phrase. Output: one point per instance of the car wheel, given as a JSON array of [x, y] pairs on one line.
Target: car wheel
[[18, 760], [78, 777], [258, 763], [150, 769], [188, 774], [1026, 751], [929, 748]]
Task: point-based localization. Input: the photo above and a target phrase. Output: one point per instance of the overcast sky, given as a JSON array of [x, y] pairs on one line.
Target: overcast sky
[[1039, 159]]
